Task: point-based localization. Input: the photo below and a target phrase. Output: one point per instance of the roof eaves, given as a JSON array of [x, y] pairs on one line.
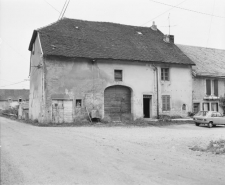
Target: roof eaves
[[32, 40]]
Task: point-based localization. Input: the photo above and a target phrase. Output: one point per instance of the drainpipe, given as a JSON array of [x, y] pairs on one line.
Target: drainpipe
[[157, 89]]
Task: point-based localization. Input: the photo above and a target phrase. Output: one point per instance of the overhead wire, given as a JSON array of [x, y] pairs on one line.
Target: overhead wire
[[62, 10], [210, 24], [175, 6], [15, 83], [65, 9], [52, 6], [163, 13]]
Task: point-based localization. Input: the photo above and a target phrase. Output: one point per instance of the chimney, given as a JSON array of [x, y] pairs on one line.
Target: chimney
[[168, 39], [154, 27]]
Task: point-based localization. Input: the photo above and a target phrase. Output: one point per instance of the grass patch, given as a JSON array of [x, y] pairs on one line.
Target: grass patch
[[105, 123], [215, 147]]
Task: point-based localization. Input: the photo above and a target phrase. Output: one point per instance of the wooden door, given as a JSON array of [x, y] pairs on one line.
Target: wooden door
[[117, 101]]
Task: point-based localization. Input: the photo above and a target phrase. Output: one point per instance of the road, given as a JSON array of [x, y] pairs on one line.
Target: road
[[94, 155]]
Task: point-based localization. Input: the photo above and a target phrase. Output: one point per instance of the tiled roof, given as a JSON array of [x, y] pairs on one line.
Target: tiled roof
[[14, 94], [209, 62], [102, 40]]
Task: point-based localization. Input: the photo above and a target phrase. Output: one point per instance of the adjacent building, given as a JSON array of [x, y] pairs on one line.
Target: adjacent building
[[13, 97], [208, 77], [118, 71]]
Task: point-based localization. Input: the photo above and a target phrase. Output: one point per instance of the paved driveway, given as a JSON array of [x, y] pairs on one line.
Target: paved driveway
[[108, 155]]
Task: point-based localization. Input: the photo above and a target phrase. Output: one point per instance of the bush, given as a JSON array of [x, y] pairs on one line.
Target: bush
[[191, 114], [163, 117], [216, 147], [10, 111]]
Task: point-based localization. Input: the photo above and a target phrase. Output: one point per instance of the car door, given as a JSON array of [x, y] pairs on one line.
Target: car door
[[220, 118], [213, 118]]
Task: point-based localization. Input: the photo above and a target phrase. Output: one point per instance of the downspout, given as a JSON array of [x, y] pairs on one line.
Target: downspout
[[157, 89]]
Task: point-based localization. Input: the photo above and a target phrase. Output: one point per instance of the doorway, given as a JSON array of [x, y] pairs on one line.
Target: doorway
[[147, 106]]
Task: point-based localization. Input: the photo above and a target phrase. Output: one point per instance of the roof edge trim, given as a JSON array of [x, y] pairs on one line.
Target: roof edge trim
[[32, 40]]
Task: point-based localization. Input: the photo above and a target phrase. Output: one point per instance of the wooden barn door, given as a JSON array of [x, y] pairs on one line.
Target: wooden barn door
[[117, 102], [62, 111]]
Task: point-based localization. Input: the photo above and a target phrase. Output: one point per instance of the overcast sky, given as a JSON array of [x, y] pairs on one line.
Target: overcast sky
[[18, 19]]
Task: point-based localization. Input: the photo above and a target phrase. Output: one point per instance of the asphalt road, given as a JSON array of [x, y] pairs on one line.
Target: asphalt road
[[33, 155]]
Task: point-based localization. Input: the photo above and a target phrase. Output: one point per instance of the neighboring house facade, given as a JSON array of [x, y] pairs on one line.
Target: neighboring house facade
[[120, 71], [208, 77], [13, 97], [23, 110]]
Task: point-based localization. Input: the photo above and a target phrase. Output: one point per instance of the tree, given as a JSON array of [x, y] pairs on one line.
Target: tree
[[222, 103]]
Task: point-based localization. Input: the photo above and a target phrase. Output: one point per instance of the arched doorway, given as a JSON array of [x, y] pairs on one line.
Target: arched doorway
[[117, 102]]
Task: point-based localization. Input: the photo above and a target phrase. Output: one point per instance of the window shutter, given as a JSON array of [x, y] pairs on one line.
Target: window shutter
[[168, 103], [208, 87], [216, 87], [162, 76], [163, 103]]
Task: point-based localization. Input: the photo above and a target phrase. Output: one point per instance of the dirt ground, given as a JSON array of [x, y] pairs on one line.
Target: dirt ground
[[93, 155]]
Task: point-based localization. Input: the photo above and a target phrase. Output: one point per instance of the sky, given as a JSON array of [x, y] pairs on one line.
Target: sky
[[192, 22]]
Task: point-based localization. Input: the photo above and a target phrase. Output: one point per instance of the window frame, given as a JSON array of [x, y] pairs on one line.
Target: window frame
[[214, 89], [166, 105], [116, 75], [78, 101], [165, 77]]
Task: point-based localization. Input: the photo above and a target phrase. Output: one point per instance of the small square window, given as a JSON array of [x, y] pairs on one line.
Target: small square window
[[165, 74], [118, 75], [78, 102]]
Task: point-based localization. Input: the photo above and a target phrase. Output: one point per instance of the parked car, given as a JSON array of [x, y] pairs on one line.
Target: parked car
[[209, 118]]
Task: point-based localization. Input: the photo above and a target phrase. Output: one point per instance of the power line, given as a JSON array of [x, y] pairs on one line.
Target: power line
[[187, 9], [14, 83], [163, 13], [62, 10], [210, 23], [52, 6], [14, 49], [65, 8]]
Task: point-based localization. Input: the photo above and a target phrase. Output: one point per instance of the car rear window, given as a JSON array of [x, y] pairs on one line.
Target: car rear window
[[201, 113]]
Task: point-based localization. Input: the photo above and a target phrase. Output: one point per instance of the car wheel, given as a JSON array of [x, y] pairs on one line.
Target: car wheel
[[197, 124], [210, 124]]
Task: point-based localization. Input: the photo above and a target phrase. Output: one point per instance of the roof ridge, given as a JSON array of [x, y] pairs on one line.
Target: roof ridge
[[199, 47], [50, 24]]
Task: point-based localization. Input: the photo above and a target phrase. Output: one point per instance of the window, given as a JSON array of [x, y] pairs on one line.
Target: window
[[196, 107], [118, 75], [165, 74], [208, 87], [20, 100], [211, 87], [78, 102], [218, 114], [184, 107], [214, 107], [165, 102], [216, 87], [205, 106]]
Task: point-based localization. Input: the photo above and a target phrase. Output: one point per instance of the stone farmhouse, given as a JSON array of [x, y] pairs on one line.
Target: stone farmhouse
[[208, 77], [112, 71]]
